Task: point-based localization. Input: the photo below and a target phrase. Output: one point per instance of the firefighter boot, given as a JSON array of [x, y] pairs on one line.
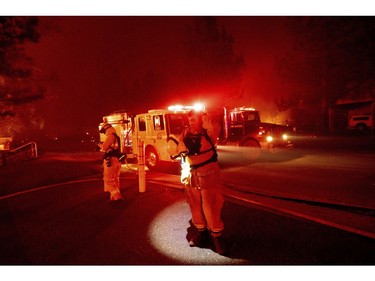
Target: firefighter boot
[[199, 239], [218, 243]]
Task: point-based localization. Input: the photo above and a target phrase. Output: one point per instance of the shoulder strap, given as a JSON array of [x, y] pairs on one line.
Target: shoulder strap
[[118, 141], [205, 134], [207, 137]]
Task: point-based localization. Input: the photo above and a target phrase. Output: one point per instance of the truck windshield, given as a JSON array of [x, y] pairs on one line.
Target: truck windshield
[[177, 123], [250, 116], [239, 117]]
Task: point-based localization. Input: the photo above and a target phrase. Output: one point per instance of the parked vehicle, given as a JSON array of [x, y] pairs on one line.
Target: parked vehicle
[[239, 127], [361, 122]]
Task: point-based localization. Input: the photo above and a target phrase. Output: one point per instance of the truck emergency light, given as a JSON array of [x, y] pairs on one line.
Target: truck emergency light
[[199, 107], [116, 118], [196, 107], [244, 109], [176, 108]]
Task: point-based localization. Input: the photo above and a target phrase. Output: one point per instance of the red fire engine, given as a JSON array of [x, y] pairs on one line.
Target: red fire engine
[[240, 128]]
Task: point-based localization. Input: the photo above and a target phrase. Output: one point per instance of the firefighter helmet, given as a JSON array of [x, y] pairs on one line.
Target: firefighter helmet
[[104, 127]]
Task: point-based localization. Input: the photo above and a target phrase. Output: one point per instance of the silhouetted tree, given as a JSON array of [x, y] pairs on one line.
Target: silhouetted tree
[[19, 87], [329, 53]]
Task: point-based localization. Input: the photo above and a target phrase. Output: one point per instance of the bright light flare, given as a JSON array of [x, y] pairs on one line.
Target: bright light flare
[[269, 138], [176, 107], [196, 107], [199, 107], [185, 172], [285, 137], [243, 108]]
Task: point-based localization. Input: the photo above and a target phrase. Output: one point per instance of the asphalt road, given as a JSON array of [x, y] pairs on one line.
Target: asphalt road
[[329, 180], [74, 224], [53, 212]]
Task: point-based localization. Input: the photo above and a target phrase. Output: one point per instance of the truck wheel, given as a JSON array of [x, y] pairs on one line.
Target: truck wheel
[[152, 158], [250, 150]]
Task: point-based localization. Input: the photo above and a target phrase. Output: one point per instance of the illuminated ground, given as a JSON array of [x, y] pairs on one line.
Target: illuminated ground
[[59, 215], [168, 235]]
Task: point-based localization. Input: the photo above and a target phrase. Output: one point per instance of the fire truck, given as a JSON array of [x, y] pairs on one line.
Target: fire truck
[[152, 127], [240, 128], [123, 124]]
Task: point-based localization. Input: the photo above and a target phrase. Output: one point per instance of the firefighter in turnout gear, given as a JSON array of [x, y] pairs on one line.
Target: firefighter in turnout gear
[[111, 162], [203, 185]]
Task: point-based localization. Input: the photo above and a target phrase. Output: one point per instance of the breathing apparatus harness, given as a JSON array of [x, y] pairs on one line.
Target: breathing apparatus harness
[[193, 143], [114, 152]]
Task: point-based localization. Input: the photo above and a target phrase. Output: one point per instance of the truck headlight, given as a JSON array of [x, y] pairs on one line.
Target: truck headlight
[[269, 138], [285, 137]]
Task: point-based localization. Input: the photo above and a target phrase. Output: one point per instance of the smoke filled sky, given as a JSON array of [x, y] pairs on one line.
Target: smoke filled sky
[[98, 62]]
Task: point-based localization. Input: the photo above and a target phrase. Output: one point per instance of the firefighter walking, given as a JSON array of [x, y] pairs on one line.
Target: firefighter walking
[[111, 163], [203, 185]]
